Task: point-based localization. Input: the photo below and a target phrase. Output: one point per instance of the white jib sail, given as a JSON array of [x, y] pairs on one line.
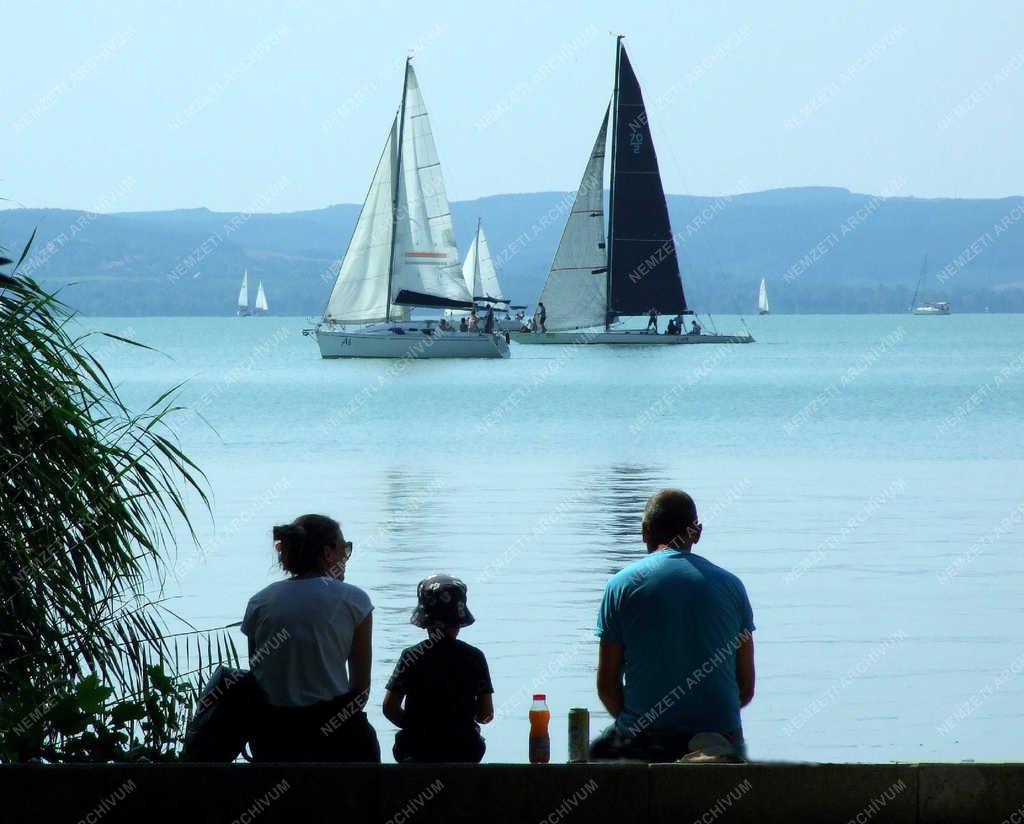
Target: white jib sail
[[426, 259], [576, 292], [762, 297], [487, 275], [478, 269], [243, 294], [261, 299], [360, 292]]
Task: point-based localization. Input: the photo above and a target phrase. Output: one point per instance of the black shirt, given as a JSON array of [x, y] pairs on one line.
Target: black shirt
[[441, 680]]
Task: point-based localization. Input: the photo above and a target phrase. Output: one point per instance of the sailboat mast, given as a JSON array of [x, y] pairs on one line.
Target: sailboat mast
[[920, 279], [611, 192], [476, 261], [394, 197]]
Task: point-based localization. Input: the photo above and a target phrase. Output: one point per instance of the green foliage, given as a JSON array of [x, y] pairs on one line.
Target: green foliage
[[90, 492]]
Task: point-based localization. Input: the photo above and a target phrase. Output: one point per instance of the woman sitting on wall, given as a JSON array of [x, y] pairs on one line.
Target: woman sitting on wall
[[310, 640]]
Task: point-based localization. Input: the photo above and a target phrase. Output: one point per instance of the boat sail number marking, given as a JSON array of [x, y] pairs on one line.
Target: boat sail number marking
[[636, 137]]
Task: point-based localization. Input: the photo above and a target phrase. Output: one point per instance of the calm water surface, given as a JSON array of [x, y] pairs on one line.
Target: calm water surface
[[862, 475]]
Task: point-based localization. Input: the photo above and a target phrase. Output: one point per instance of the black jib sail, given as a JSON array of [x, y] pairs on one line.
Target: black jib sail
[[644, 268]]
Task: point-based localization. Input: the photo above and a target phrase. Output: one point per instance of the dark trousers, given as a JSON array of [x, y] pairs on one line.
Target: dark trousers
[[439, 747], [331, 731], [648, 745]]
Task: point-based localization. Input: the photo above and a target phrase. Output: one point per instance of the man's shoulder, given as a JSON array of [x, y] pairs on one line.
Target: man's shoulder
[[713, 569], [631, 576]]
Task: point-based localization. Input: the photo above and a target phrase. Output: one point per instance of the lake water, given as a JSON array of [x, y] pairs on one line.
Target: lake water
[[862, 475]]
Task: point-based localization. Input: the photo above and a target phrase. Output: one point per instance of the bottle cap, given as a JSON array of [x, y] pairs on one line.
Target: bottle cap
[[540, 696]]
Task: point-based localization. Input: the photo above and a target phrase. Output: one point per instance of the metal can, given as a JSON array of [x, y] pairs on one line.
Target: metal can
[[579, 735]]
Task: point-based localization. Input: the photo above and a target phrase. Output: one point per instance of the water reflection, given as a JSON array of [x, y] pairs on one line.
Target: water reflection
[[412, 503], [615, 510]]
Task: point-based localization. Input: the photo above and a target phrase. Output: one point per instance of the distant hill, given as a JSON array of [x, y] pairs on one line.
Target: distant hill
[[821, 249]]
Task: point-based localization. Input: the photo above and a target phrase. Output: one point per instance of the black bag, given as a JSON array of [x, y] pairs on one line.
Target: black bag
[[225, 717]]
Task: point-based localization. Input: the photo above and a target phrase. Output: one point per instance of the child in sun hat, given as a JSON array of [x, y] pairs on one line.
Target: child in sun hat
[[443, 682]]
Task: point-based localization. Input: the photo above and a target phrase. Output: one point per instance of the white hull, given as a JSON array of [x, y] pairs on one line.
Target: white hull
[[416, 340], [624, 338], [929, 310], [508, 325]]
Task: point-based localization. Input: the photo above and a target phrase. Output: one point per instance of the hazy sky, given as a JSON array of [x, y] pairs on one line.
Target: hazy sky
[[278, 106]]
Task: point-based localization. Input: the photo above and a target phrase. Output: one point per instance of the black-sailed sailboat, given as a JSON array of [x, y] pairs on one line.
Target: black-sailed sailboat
[[592, 284]]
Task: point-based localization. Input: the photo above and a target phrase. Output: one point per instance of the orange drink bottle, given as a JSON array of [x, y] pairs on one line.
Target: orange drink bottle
[[540, 742]]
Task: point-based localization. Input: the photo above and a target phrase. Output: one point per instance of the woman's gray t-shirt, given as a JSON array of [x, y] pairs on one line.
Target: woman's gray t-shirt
[[300, 635]]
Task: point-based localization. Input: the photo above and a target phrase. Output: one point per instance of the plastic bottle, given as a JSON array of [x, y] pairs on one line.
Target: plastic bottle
[[540, 741]]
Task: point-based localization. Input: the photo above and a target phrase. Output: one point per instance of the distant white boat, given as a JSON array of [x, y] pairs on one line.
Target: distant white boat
[[243, 296], [482, 282], [928, 307], [261, 307], [762, 299], [402, 255]]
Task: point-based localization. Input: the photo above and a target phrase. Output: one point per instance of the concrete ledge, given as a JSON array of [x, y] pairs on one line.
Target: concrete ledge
[[954, 793], [788, 793], [499, 793]]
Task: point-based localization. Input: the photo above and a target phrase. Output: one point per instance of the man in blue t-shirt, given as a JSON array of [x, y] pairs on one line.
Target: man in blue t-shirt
[[677, 651]]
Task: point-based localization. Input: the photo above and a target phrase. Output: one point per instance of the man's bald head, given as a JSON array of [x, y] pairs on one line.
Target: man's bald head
[[670, 519]]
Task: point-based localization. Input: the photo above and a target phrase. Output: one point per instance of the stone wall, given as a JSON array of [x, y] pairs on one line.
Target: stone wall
[[499, 793]]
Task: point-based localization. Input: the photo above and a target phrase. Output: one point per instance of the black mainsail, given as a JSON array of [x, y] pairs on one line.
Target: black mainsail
[[643, 270]]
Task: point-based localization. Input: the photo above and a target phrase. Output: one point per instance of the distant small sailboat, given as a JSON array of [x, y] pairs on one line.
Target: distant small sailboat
[[261, 307], [762, 299], [928, 307], [243, 296], [482, 282]]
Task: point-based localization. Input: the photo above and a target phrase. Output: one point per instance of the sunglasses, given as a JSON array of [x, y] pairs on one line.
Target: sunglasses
[[345, 548]]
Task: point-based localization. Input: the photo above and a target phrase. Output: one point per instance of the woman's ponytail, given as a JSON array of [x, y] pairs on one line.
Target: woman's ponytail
[[300, 543]]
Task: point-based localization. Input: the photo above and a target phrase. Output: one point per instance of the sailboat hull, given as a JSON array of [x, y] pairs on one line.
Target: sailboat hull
[[637, 338], [413, 341]]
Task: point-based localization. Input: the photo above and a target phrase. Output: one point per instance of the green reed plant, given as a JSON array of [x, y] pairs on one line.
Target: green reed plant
[[90, 492]]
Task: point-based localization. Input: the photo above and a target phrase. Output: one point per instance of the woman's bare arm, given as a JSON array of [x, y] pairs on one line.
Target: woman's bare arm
[[360, 658]]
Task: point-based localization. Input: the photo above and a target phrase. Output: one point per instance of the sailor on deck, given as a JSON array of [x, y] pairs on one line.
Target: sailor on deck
[[540, 318], [652, 320]]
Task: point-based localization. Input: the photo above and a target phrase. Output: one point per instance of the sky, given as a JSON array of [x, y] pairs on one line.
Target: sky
[[120, 106]]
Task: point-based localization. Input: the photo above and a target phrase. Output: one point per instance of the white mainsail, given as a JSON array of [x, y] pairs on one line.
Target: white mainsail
[[426, 259], [243, 294], [360, 292], [404, 233], [762, 298], [261, 299], [575, 294], [478, 269]]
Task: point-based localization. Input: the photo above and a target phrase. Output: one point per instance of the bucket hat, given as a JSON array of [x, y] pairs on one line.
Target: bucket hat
[[441, 603]]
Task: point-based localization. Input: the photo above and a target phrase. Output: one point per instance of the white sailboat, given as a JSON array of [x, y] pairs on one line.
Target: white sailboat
[[261, 307], [402, 255], [243, 296], [482, 281], [593, 283], [929, 307], [762, 299]]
